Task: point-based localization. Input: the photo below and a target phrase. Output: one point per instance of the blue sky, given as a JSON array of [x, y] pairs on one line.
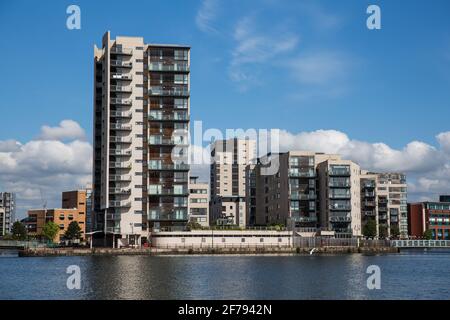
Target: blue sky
[[390, 85], [310, 68]]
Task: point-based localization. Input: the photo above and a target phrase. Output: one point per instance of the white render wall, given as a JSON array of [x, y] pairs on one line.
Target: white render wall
[[221, 238]]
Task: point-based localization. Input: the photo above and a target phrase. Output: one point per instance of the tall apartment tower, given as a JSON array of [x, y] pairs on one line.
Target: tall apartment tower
[[228, 180], [141, 125], [7, 212]]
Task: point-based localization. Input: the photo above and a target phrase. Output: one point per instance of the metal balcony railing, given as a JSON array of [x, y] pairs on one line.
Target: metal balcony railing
[[120, 126], [121, 89], [119, 101], [120, 204], [119, 191], [176, 67], [120, 152], [120, 165], [120, 114], [122, 64], [168, 166], [120, 178], [116, 139]]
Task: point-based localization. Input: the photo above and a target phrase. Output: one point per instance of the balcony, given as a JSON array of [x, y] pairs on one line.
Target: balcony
[[160, 140], [116, 139], [120, 178], [121, 64], [369, 203], [112, 216], [369, 213], [335, 195], [303, 219], [120, 114], [340, 207], [167, 192], [121, 76], [382, 217], [168, 117], [342, 219], [119, 101], [120, 191], [294, 173], [302, 196], [120, 152], [339, 184], [127, 89], [113, 229], [119, 204], [166, 215], [120, 165], [122, 51], [120, 126], [170, 167], [176, 67], [339, 172], [369, 194], [176, 92]]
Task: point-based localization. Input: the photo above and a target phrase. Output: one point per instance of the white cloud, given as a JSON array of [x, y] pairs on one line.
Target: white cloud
[[48, 164], [254, 48], [67, 129], [206, 15]]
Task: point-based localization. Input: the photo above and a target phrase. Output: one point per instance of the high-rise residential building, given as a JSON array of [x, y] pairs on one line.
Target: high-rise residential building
[[228, 180], [7, 212], [198, 202], [433, 216], [141, 124]]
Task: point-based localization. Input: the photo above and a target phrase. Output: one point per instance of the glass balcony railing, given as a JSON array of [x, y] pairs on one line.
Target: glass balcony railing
[[339, 171], [120, 152], [120, 114], [120, 126], [347, 218], [116, 139], [159, 166], [121, 64], [120, 165], [119, 50], [121, 76], [176, 67], [167, 191], [120, 204], [120, 178], [340, 206], [302, 173], [168, 117], [119, 191], [119, 101], [159, 91], [121, 89]]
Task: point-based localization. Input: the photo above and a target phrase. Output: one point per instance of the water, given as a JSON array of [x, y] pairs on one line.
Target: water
[[412, 275]]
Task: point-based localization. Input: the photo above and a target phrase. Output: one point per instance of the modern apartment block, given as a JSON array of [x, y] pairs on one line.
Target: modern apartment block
[[384, 199], [340, 198], [198, 202], [141, 124], [74, 208], [434, 216], [7, 212], [287, 197], [228, 180]]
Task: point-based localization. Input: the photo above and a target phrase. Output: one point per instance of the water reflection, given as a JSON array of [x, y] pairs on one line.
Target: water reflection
[[227, 277]]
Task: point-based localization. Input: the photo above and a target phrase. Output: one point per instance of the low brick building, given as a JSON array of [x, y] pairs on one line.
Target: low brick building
[[434, 216]]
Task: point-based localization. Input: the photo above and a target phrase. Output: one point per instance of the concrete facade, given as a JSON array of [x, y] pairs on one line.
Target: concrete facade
[[198, 202], [7, 212], [141, 123], [228, 180]]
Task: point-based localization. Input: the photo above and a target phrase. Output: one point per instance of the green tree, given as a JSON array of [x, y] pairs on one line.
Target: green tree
[[192, 225], [50, 230], [370, 229], [427, 234], [395, 231], [383, 231], [19, 231], [73, 231]]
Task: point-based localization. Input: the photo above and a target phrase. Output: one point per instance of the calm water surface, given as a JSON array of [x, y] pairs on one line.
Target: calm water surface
[[413, 275]]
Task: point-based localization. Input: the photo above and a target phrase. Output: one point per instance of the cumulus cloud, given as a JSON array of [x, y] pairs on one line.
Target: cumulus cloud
[[206, 15], [67, 129], [46, 165]]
